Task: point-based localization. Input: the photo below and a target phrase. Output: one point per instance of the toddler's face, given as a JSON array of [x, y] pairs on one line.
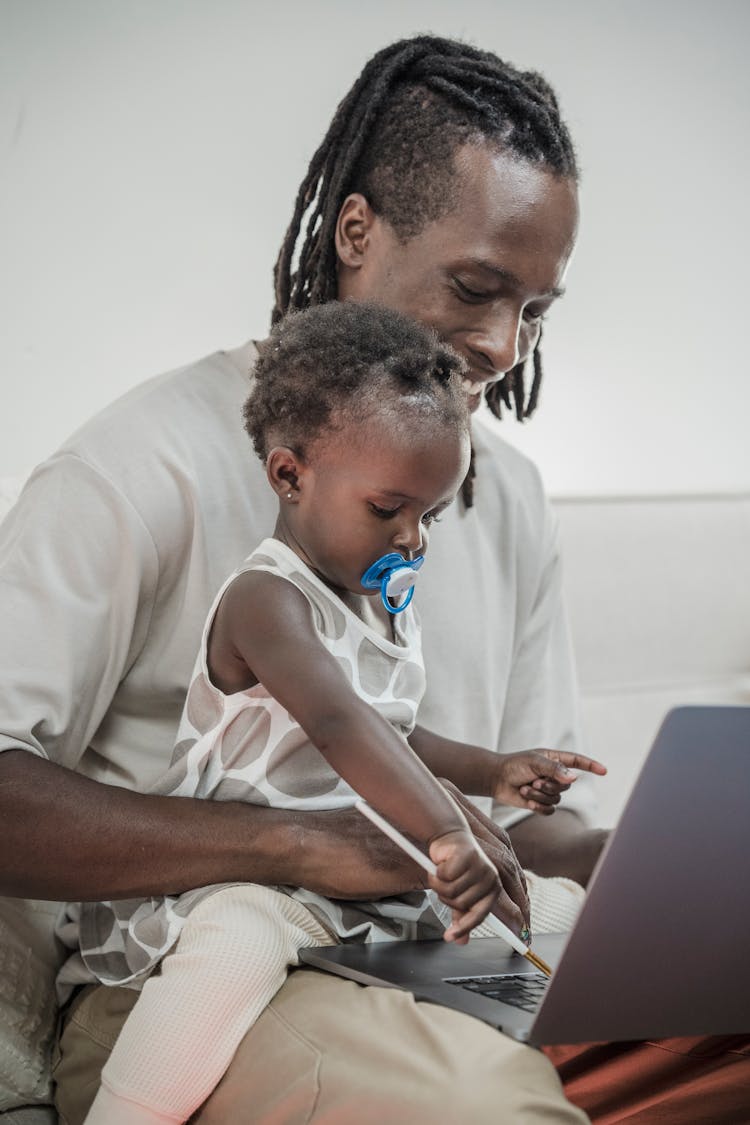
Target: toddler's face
[[371, 489]]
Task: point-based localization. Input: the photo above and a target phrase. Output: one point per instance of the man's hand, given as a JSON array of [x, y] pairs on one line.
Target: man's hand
[[341, 854], [535, 779]]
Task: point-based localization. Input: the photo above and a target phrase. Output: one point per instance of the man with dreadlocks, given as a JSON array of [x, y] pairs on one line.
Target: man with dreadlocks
[[446, 189]]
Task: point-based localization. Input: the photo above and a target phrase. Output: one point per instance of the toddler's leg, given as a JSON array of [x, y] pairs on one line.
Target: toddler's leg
[[555, 903], [231, 959]]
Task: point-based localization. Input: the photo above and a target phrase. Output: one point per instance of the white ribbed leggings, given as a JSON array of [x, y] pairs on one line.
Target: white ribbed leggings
[[231, 959]]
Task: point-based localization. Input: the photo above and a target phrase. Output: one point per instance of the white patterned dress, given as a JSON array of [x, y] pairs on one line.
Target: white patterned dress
[[247, 747]]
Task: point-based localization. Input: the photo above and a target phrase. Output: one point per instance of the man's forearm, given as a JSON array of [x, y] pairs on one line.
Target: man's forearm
[[558, 845], [69, 838]]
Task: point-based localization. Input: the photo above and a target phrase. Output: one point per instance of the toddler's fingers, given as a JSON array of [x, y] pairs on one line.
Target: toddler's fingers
[[468, 898], [463, 892], [464, 923], [577, 761], [542, 796], [542, 787], [538, 802]]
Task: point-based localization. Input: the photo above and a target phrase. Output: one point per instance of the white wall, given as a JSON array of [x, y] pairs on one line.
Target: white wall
[[151, 150]]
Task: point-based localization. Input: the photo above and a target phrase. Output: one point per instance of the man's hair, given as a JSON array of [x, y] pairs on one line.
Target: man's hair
[[342, 362], [393, 138]]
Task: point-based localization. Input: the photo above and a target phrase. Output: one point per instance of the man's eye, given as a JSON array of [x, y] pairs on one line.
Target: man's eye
[[383, 513], [466, 293], [530, 316]]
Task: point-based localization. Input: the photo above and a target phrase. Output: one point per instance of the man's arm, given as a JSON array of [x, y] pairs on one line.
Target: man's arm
[[67, 837]]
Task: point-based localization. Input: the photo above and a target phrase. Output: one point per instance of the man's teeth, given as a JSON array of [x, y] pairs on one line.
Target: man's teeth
[[471, 388]]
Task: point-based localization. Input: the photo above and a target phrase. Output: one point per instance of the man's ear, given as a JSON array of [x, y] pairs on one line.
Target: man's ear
[[354, 230], [285, 470]]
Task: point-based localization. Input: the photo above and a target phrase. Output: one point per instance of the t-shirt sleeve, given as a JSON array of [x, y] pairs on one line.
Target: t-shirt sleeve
[[78, 574]]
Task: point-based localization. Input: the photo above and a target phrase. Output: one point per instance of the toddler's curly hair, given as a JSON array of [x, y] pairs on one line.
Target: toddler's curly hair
[[335, 364]]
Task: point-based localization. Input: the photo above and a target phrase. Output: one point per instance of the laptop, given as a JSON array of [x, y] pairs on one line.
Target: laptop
[[661, 946]]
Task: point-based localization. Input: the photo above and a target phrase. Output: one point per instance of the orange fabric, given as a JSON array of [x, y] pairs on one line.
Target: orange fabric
[[695, 1081]]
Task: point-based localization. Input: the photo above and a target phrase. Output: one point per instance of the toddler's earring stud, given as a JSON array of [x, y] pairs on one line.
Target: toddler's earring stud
[[288, 495]]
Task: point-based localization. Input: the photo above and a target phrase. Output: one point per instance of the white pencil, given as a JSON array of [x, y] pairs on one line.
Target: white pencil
[[424, 861]]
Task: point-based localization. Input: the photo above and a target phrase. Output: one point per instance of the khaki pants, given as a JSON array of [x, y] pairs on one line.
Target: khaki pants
[[329, 1052]]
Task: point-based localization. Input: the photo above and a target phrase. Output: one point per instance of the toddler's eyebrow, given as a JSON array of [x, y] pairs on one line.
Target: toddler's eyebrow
[[404, 496], [392, 495]]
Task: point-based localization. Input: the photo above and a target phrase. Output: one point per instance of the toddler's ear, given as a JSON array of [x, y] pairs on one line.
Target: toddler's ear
[[284, 470]]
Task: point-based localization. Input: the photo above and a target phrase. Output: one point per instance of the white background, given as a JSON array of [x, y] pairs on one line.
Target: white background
[[151, 150]]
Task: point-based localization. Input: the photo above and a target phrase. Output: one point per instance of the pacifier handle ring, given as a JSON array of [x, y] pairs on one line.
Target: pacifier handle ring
[[387, 603]]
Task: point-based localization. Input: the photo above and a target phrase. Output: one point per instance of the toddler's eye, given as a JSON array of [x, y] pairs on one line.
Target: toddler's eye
[[429, 519], [383, 513]]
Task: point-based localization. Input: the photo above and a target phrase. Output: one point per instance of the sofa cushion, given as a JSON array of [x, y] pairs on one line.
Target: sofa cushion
[[29, 1115], [29, 958]]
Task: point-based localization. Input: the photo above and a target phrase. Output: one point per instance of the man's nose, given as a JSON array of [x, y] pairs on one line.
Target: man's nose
[[501, 342]]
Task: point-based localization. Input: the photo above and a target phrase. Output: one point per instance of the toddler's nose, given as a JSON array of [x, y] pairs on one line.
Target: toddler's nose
[[410, 541]]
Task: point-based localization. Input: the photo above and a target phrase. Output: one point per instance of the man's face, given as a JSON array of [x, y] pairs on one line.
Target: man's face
[[482, 276], [372, 489]]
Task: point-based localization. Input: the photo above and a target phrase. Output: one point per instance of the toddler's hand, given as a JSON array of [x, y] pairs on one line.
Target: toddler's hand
[[535, 779], [466, 881]]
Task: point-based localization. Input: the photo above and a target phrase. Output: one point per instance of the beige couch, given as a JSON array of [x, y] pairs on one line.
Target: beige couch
[[659, 606]]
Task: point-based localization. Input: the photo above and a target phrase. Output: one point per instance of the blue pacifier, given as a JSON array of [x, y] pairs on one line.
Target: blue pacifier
[[395, 575]]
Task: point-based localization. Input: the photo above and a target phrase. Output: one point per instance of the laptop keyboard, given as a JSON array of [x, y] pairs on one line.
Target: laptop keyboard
[[522, 990]]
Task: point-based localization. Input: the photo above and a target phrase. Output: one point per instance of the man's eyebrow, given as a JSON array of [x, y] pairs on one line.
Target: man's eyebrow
[[510, 278]]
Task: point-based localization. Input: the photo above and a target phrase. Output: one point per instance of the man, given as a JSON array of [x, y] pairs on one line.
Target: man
[[445, 188]]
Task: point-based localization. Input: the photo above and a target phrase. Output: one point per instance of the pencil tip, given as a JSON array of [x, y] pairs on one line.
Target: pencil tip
[[538, 963]]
